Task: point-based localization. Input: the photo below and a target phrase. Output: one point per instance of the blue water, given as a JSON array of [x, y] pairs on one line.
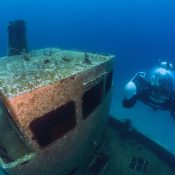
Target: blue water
[[138, 32]]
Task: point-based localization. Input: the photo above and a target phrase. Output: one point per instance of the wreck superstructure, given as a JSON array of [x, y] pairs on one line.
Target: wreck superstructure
[[54, 105]]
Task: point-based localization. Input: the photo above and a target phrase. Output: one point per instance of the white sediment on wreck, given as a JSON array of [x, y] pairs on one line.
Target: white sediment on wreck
[[23, 73]]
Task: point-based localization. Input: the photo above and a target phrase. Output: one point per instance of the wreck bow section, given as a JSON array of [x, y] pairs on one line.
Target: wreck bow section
[[53, 106]]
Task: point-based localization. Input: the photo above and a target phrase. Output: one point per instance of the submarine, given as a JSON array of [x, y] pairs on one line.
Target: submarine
[[54, 110]]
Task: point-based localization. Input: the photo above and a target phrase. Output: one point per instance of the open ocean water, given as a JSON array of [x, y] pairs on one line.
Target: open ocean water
[[138, 32]]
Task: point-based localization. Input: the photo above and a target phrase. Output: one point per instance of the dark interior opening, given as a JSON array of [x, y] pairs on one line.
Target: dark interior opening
[[54, 124], [108, 81], [12, 147], [91, 99]]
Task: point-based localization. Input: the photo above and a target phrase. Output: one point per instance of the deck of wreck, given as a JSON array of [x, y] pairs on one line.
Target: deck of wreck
[[125, 152]]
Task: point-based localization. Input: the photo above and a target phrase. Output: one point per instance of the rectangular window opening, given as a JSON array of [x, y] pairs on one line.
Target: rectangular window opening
[[54, 125], [12, 147], [91, 99]]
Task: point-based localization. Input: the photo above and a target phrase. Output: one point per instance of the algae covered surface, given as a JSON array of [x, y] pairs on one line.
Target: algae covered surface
[[25, 72]]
